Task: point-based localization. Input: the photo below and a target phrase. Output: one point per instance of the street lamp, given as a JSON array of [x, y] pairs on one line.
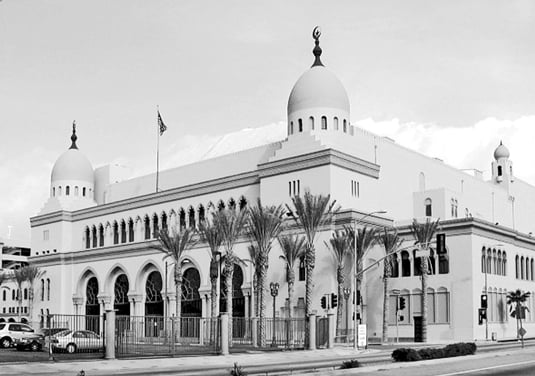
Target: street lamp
[[356, 305], [274, 287]]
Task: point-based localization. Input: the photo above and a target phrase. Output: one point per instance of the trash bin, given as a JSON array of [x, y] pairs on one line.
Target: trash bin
[[493, 336]]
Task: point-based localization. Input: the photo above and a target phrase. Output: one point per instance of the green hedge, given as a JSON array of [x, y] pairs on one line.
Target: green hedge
[[456, 349]]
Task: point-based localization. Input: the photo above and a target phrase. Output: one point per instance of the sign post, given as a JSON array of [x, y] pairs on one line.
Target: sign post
[[362, 337]]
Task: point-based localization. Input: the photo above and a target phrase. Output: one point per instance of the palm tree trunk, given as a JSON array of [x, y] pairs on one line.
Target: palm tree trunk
[[340, 308], [386, 309], [289, 329], [229, 272], [256, 295], [424, 298], [310, 260], [30, 305], [178, 295], [262, 304], [213, 298], [19, 298]]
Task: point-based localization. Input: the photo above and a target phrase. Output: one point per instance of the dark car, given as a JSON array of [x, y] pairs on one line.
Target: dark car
[[32, 342], [51, 331]]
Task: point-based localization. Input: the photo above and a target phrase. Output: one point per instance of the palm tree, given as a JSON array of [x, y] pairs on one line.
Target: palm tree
[[361, 242], [340, 245], [253, 257], [31, 273], [210, 234], [311, 212], [175, 246], [424, 234], [264, 225], [518, 298], [20, 278], [230, 225], [391, 242], [293, 248]]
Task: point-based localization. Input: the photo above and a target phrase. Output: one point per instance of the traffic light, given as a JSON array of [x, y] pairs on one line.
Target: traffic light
[[482, 315], [441, 243], [334, 300], [484, 301], [359, 298], [401, 317], [323, 302], [401, 303]]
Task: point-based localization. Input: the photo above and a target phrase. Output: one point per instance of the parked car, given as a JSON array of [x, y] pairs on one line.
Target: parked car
[[79, 340], [51, 331], [32, 342], [11, 331]]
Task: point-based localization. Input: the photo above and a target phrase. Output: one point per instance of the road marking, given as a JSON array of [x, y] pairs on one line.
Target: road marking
[[487, 368]]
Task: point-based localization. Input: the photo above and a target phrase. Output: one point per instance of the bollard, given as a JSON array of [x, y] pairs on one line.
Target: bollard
[[224, 334], [110, 334], [254, 331], [312, 332], [332, 330]]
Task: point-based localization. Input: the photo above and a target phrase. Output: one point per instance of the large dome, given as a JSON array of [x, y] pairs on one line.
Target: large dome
[[501, 152], [73, 165], [318, 87]]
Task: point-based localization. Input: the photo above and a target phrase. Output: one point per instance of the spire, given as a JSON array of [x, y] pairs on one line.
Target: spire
[[73, 137], [316, 33]]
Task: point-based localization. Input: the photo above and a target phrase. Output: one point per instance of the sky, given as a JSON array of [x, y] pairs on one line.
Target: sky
[[448, 78]]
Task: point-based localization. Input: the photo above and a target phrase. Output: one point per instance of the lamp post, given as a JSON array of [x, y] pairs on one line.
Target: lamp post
[[356, 305], [347, 294], [274, 287]]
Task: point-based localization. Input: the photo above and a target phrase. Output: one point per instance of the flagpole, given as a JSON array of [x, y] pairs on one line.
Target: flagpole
[[157, 147]]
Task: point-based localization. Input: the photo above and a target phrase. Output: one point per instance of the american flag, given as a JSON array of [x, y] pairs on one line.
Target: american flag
[[161, 124]]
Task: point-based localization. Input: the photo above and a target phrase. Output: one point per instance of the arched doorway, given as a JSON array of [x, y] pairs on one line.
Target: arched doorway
[[154, 306], [120, 302], [191, 300], [92, 308], [238, 300]]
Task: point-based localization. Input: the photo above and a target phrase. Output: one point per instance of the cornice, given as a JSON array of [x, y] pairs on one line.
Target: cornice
[[316, 159]]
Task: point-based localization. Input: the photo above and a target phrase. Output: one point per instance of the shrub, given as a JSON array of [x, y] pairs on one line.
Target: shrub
[[353, 363], [237, 371], [456, 349]]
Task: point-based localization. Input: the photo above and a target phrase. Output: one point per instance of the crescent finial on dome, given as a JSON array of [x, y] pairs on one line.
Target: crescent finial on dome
[[316, 33], [74, 137]]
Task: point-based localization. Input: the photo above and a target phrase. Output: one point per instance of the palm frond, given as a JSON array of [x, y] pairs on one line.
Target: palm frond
[[175, 245], [424, 232], [293, 248], [340, 246], [264, 224], [230, 224]]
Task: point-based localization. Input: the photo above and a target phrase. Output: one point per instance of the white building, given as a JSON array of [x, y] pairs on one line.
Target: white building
[[92, 234], [11, 258]]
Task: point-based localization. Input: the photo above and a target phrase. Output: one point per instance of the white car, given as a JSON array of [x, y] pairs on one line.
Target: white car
[[12, 331], [79, 340]]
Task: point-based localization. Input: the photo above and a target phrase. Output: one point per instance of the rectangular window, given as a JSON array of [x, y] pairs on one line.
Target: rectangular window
[[46, 235], [294, 188]]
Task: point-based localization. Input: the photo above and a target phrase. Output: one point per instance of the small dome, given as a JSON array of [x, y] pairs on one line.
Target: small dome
[[501, 152], [318, 87], [73, 165]]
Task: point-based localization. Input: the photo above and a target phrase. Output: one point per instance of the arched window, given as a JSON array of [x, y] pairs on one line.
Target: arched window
[[405, 264], [499, 170], [417, 263], [395, 266], [531, 267], [202, 216], [232, 204], [123, 231], [494, 262], [243, 203], [67, 190], [431, 267], [164, 221], [47, 289], [522, 267], [335, 123], [155, 227], [59, 190], [489, 261], [101, 235], [42, 290], [323, 122], [443, 263], [4, 295], [12, 294], [76, 193], [182, 219], [25, 294], [53, 191], [87, 238], [130, 230], [146, 223], [527, 269], [83, 191], [220, 205], [191, 217], [311, 122], [115, 233], [517, 266], [428, 207], [345, 126], [300, 123], [504, 263], [94, 236], [291, 127], [483, 261], [499, 263]]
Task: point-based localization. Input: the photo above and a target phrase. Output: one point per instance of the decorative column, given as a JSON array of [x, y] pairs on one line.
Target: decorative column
[[77, 300]]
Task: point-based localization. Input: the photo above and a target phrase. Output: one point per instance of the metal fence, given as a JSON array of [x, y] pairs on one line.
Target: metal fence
[[74, 336], [154, 335], [285, 333]]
